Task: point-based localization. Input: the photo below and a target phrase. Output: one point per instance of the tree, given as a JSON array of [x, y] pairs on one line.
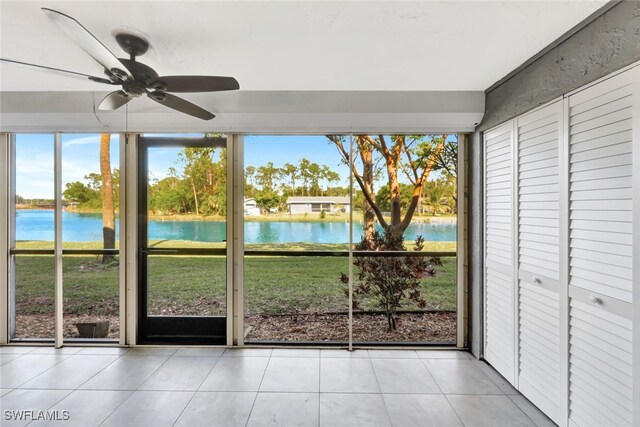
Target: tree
[[78, 192], [383, 197], [291, 172], [305, 174], [391, 280], [446, 161], [205, 177], [314, 172], [169, 196], [365, 178], [439, 195], [249, 174], [267, 175], [329, 176], [267, 199], [108, 209]]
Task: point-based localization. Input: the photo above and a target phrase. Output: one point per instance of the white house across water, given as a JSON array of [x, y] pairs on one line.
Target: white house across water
[[317, 204]]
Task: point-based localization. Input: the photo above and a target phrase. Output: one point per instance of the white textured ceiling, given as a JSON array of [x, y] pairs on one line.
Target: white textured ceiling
[[281, 46]]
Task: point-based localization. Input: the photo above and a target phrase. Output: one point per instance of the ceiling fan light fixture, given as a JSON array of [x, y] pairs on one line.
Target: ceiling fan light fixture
[[158, 85], [158, 95], [118, 75]]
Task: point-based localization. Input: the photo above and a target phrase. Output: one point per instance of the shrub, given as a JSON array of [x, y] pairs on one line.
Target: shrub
[[390, 281]]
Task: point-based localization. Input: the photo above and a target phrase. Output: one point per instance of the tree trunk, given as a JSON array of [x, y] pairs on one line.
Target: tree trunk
[[368, 215], [108, 209], [195, 196], [392, 158]]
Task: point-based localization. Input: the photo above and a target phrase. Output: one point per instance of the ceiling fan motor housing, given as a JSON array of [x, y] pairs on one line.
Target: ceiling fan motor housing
[[134, 88]]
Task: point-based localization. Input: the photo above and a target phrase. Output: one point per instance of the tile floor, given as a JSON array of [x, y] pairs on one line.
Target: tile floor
[[256, 387]]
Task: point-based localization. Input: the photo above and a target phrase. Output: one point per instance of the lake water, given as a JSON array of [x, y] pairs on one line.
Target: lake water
[[81, 227]]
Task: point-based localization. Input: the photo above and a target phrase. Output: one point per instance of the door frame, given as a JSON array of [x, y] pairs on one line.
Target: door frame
[[166, 329]]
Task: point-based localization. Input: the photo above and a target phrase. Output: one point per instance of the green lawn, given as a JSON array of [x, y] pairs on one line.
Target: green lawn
[[197, 285]]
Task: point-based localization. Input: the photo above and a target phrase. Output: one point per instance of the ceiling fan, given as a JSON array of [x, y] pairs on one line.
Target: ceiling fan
[[135, 78]]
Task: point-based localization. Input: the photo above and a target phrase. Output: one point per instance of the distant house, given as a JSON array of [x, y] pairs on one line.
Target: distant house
[[301, 205], [251, 207]]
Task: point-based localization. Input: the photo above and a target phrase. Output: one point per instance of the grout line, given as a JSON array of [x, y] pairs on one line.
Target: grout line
[[485, 365], [185, 407], [106, 366], [133, 392], [454, 410], [319, 383], [153, 373], [121, 403], [426, 366], [49, 408], [197, 389], [381, 394], [522, 410], [37, 375], [15, 358], [258, 391], [208, 373]]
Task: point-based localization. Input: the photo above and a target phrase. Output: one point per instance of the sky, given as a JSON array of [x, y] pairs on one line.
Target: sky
[[81, 156], [35, 161]]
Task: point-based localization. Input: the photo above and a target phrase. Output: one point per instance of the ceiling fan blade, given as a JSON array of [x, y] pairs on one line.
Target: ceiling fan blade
[[196, 83], [181, 105], [88, 42], [58, 70], [114, 100]]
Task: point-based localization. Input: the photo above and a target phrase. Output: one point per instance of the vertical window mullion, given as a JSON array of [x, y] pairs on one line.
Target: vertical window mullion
[[461, 247], [351, 165], [4, 240], [122, 223], [58, 307], [11, 238]]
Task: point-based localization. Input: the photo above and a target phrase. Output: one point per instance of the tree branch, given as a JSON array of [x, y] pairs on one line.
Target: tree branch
[[431, 163], [359, 180], [370, 200], [398, 146], [412, 165], [367, 138], [384, 150], [411, 179]]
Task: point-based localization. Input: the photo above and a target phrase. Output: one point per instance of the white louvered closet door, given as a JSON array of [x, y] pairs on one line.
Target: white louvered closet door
[[601, 253], [499, 271], [539, 377]]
